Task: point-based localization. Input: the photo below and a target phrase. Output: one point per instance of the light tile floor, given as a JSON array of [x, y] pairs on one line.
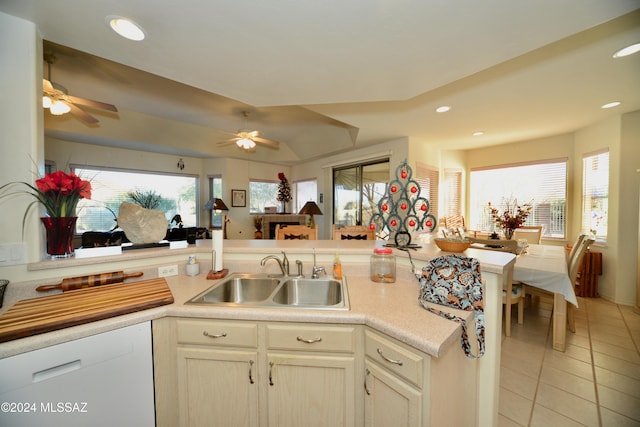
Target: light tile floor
[[596, 382]]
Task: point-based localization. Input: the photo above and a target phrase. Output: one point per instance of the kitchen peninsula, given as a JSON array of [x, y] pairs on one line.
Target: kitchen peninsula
[[385, 317]]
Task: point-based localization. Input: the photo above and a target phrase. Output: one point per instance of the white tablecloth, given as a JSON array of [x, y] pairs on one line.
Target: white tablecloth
[[545, 267]]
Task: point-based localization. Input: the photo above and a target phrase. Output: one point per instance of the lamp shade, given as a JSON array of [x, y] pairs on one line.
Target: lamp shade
[[310, 208], [216, 204]]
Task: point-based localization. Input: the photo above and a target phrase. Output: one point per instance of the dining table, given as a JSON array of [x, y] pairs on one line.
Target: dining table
[[545, 267]]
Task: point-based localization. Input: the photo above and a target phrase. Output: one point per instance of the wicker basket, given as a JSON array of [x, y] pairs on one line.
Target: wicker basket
[[452, 245]]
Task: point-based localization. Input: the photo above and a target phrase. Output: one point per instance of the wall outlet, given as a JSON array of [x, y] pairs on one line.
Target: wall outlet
[[168, 270]]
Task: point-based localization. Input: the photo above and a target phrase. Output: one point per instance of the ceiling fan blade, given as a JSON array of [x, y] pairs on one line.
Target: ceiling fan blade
[[82, 115], [94, 104], [46, 85], [267, 142], [228, 141]]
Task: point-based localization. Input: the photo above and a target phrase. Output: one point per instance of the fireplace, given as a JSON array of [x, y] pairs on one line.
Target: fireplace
[[269, 223]]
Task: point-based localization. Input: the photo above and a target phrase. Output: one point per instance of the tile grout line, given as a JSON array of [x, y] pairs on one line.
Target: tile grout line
[[593, 365]]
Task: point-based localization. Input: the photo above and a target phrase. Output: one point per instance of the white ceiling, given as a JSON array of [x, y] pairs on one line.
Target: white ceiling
[[325, 77]]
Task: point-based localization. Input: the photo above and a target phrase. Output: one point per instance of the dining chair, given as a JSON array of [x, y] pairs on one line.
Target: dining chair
[[296, 232], [531, 233], [513, 292], [573, 267], [353, 232]]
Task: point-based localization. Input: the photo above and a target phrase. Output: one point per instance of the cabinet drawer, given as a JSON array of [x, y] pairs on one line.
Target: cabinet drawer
[[394, 357], [212, 332], [312, 337]]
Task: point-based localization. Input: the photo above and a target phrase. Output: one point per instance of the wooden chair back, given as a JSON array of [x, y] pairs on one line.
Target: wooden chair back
[[532, 234], [296, 232], [353, 232], [573, 266], [453, 222], [575, 247], [494, 245]]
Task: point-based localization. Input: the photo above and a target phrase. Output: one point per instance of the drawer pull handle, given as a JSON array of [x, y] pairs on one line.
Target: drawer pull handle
[[311, 341], [207, 334], [395, 362], [366, 386], [251, 372], [271, 373]]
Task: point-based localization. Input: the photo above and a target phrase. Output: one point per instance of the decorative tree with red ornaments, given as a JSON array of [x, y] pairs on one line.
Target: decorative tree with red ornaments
[[402, 211]]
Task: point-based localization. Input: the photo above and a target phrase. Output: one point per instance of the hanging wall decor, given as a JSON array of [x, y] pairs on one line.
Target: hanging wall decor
[[402, 211]]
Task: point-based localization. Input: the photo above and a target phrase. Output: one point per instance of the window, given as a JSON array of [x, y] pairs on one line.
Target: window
[[215, 191], [542, 184], [357, 190], [172, 194], [452, 193], [427, 178], [263, 194], [303, 191], [595, 194]]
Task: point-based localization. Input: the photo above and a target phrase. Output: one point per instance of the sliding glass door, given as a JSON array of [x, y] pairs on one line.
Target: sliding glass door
[[357, 190]]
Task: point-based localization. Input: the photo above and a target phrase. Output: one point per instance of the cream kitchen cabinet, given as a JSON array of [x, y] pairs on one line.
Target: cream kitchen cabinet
[[311, 375], [407, 388], [243, 373]]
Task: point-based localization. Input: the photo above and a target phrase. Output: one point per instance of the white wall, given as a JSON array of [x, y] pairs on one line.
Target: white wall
[[21, 139]]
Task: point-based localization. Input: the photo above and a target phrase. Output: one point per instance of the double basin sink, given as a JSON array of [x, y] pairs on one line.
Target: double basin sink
[[261, 291]]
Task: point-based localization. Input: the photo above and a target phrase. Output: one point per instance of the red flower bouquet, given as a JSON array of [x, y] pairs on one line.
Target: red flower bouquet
[[58, 192]]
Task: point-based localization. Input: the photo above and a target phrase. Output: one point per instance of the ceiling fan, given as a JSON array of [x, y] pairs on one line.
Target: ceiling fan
[[248, 139], [57, 99]]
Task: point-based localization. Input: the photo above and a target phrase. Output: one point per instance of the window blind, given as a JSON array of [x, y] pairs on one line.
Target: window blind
[[428, 179], [542, 184], [452, 192]]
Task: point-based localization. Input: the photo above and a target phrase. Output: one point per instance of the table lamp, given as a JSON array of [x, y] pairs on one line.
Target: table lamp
[[310, 208]]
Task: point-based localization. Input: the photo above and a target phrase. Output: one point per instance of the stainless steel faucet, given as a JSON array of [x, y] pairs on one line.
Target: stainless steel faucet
[[315, 272], [282, 263]]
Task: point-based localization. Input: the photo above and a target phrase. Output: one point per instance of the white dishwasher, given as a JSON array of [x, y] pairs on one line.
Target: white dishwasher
[[101, 380]]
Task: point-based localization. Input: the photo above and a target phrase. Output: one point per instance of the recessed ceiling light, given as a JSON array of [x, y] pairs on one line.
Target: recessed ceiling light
[[611, 104], [443, 109], [626, 51], [479, 133], [125, 27]]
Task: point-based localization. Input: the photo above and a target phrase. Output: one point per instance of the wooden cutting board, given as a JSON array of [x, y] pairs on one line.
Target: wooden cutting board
[[45, 314]]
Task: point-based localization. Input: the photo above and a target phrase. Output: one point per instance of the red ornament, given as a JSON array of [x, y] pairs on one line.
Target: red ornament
[[394, 188], [393, 222], [412, 222], [403, 206], [372, 227], [429, 223], [403, 174], [414, 190], [423, 208], [385, 207]]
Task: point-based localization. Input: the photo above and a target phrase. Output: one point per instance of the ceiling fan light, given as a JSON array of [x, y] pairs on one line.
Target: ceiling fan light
[[59, 108], [126, 28], [46, 101], [246, 143]]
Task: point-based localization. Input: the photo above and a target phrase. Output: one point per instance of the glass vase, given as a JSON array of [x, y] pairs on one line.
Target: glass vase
[[508, 233], [59, 232]]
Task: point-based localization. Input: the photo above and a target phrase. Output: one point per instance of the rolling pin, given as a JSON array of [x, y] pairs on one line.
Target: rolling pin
[[80, 282]]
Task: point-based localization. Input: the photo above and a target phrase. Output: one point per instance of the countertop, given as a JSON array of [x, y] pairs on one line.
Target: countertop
[[391, 308]]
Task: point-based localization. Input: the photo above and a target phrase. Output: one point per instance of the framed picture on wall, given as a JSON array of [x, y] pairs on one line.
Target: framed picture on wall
[[238, 198]]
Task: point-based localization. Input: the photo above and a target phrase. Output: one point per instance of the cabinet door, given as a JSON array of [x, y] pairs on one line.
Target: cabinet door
[[390, 401], [310, 390], [217, 387]]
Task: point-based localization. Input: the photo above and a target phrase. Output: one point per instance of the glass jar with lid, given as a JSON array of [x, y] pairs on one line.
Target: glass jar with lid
[[383, 265]]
